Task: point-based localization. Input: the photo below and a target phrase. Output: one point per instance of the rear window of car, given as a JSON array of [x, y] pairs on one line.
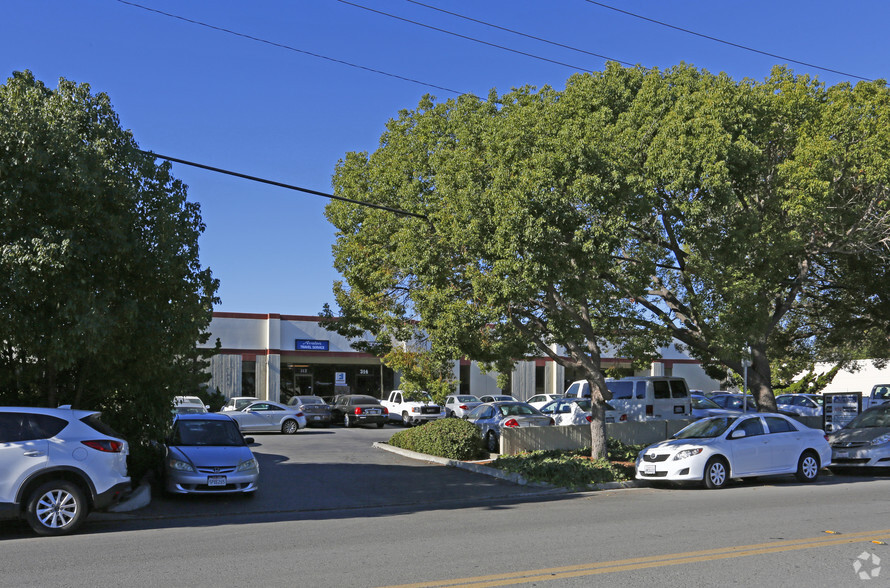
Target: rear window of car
[[779, 425], [678, 389], [363, 400], [661, 390], [94, 422]]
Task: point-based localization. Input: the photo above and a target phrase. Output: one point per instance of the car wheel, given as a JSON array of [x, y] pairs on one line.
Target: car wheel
[[289, 427], [380, 425], [347, 421], [406, 420], [56, 508], [492, 443], [808, 467], [716, 473]]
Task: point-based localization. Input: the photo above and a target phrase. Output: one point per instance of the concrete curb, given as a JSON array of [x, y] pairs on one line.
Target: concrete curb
[[496, 473]]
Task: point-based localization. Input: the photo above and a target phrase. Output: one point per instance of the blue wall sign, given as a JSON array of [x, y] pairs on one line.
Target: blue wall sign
[[311, 345]]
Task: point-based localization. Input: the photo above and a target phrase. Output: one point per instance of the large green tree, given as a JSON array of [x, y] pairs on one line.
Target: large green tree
[[632, 208], [102, 295]]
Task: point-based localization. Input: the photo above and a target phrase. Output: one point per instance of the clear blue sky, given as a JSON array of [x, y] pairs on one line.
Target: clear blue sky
[[209, 96]]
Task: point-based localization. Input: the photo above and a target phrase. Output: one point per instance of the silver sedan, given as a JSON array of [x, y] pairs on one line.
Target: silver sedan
[[864, 442], [493, 416], [267, 416]]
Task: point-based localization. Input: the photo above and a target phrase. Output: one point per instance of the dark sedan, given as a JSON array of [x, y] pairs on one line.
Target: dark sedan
[[358, 409]]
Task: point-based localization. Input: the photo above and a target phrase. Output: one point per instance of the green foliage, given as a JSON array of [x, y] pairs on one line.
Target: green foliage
[[567, 469], [619, 451], [102, 294], [212, 397], [449, 438], [633, 208], [809, 383], [422, 371]]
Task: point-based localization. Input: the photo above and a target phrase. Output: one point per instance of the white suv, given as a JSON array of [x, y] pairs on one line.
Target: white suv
[[58, 464]]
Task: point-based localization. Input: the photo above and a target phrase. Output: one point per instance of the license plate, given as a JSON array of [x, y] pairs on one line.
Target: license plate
[[373, 411], [842, 454], [649, 469], [316, 418], [216, 480]]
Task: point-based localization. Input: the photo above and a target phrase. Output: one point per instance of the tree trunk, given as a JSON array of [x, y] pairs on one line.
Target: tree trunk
[[599, 393], [760, 380]]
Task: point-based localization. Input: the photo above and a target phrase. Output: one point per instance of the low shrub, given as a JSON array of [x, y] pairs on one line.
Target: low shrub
[[449, 438], [568, 469]]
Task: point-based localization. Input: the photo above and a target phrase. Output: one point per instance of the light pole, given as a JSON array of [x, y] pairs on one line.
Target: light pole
[[746, 361]]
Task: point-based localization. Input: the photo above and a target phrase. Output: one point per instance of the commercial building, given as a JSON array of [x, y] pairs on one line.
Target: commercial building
[[274, 357]]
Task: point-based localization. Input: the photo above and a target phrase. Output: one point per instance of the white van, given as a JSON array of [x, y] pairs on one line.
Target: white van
[[643, 398]]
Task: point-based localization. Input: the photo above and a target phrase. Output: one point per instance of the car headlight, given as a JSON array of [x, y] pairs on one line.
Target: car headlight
[[181, 466], [249, 464], [688, 453], [880, 440]]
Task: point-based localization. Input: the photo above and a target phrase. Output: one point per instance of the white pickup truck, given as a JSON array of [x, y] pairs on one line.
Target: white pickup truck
[[412, 408], [879, 395]]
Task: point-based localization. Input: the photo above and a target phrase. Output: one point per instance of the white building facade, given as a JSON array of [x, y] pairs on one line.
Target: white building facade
[[274, 357]]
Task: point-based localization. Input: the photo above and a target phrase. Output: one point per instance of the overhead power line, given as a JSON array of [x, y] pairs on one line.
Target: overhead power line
[[280, 184], [468, 38], [520, 33], [731, 44], [288, 47]]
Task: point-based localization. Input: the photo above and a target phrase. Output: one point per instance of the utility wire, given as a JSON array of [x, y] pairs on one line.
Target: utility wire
[[288, 47], [420, 24], [280, 184], [738, 46], [520, 33]]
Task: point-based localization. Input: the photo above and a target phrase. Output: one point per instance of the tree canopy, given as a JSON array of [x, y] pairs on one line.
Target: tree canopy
[[102, 294], [633, 208]]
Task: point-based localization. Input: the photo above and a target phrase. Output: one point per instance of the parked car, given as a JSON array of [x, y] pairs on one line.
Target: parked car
[[237, 403], [457, 405], [188, 405], [577, 411], [207, 454], [800, 404], [735, 401], [497, 398], [57, 465], [492, 417], [539, 400], [716, 449], [864, 442], [267, 416], [702, 407], [317, 411], [359, 409]]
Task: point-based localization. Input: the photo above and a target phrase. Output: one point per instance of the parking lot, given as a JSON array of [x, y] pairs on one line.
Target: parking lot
[[338, 469]]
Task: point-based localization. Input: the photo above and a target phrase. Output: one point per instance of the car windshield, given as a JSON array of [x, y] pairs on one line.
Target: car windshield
[[310, 400], [876, 417], [516, 410], [706, 428], [206, 432]]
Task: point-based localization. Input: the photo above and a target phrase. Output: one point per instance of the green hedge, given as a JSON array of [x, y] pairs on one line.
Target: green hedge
[[450, 438]]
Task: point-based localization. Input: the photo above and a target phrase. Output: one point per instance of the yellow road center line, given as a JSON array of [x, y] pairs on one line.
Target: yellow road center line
[[653, 561]]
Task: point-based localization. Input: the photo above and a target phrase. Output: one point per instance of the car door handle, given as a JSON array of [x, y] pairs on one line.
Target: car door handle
[[33, 454]]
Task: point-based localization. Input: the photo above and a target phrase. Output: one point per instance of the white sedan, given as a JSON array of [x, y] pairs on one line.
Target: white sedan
[[539, 400], [457, 405], [577, 411], [716, 449], [265, 415]]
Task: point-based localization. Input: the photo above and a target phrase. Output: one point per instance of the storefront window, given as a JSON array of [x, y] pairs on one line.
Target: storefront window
[[248, 378]]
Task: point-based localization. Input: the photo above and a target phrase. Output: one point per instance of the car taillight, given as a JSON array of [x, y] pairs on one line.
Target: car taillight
[[513, 423], [463, 407], [589, 418], [623, 418], [358, 410], [105, 445], [385, 410], [650, 411]]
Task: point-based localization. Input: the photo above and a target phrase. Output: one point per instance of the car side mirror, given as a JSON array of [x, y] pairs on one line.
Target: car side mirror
[[738, 434], [248, 440]]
